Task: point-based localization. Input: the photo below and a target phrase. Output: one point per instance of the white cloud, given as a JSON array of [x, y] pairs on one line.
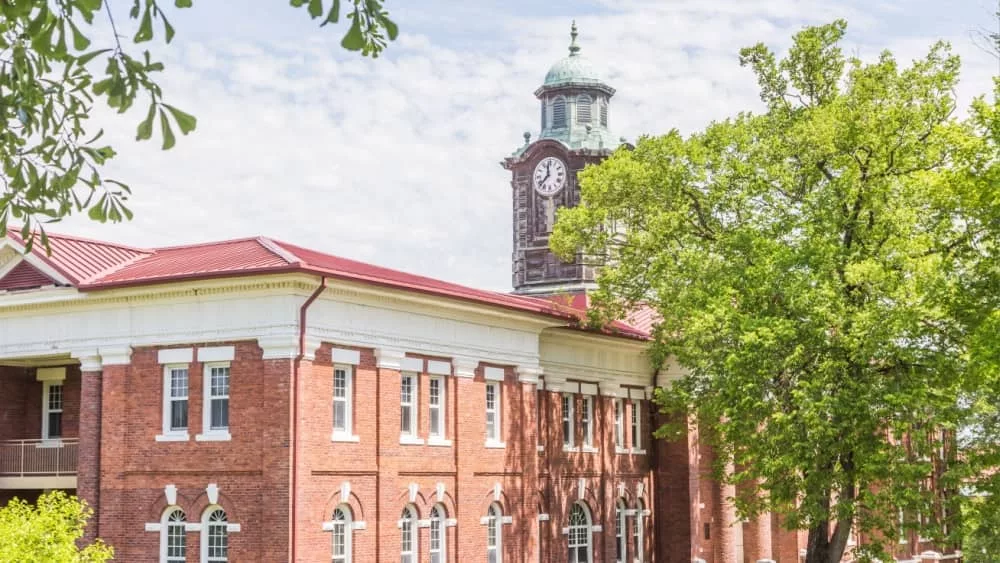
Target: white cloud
[[396, 161]]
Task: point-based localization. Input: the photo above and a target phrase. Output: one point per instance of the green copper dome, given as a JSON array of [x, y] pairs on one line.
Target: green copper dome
[[573, 69]]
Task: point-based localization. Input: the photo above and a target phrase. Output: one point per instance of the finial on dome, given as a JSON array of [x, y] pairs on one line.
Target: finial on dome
[[573, 47]]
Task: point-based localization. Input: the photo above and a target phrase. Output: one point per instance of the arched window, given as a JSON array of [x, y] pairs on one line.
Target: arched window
[[439, 536], [214, 535], [543, 114], [559, 113], [637, 531], [583, 108], [173, 544], [408, 548], [341, 534], [604, 112], [494, 534], [579, 534], [620, 530]]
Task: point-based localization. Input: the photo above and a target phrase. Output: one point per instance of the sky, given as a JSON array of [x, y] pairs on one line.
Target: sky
[[396, 160]]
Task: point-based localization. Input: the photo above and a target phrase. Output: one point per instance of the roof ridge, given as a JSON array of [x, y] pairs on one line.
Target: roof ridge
[[117, 267], [16, 231], [203, 244], [276, 248]]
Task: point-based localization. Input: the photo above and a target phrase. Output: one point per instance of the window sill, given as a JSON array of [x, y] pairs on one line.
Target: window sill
[[342, 437], [590, 450], [569, 449], [50, 443], [493, 444], [215, 436], [173, 437], [635, 451], [622, 451], [432, 441], [410, 440], [540, 449]]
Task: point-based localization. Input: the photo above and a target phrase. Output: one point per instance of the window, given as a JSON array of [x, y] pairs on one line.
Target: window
[[341, 534], [218, 398], [407, 408], [567, 420], [583, 109], [604, 113], [494, 534], [175, 392], [439, 541], [343, 399], [408, 536], [540, 406], [173, 548], [587, 421], [637, 531], [437, 395], [492, 412], [579, 534], [559, 113], [543, 115], [636, 426], [52, 400], [619, 425], [214, 536], [620, 531]]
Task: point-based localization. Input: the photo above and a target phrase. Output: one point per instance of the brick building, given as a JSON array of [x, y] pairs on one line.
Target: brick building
[[252, 400]]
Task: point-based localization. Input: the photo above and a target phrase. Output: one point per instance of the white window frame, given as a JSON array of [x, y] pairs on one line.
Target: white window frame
[[568, 408], [171, 434], [619, 426], [345, 434], [46, 410], [637, 427], [441, 522], [411, 436], [348, 532], [165, 525], [409, 518], [496, 439], [588, 532], [206, 531], [587, 422], [209, 434], [639, 532], [621, 528], [494, 521], [436, 411]]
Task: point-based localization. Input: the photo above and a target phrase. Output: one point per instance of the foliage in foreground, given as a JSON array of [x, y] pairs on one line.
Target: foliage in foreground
[[52, 73], [48, 531], [826, 272]]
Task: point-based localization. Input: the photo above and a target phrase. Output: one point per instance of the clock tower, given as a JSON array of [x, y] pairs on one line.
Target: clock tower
[[574, 133]]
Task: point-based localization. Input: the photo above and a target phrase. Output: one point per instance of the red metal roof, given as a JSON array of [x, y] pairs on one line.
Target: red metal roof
[[93, 265]]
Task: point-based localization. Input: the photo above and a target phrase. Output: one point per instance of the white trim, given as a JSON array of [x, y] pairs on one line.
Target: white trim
[[90, 361], [211, 436], [278, 346], [116, 355], [493, 373], [56, 374], [233, 528], [192, 527], [361, 525], [343, 356], [389, 358], [589, 450], [174, 437], [408, 440], [410, 436], [216, 354], [342, 437], [588, 389], [416, 365], [173, 434], [175, 356], [437, 367], [506, 520], [529, 373], [348, 401], [493, 444], [543, 517], [434, 441], [439, 437], [152, 526], [465, 367], [497, 412], [32, 260]]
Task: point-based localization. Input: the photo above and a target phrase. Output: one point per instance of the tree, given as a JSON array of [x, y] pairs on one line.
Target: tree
[[51, 155], [821, 270], [49, 531]]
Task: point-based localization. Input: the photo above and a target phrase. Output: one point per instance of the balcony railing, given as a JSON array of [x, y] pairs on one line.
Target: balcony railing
[[33, 458]]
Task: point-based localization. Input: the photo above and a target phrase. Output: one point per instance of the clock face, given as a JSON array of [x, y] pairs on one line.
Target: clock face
[[550, 176]]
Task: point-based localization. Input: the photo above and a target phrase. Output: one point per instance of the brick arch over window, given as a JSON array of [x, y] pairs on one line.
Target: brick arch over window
[[422, 503], [334, 500], [200, 503], [488, 498], [154, 511], [540, 498], [589, 498]]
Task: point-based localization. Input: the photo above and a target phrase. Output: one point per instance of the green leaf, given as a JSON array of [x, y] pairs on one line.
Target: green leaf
[[185, 121], [183, 3], [355, 39], [333, 16], [80, 41], [168, 134], [298, 3], [96, 212], [168, 30], [390, 27], [84, 59], [315, 8], [145, 130], [145, 32]]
